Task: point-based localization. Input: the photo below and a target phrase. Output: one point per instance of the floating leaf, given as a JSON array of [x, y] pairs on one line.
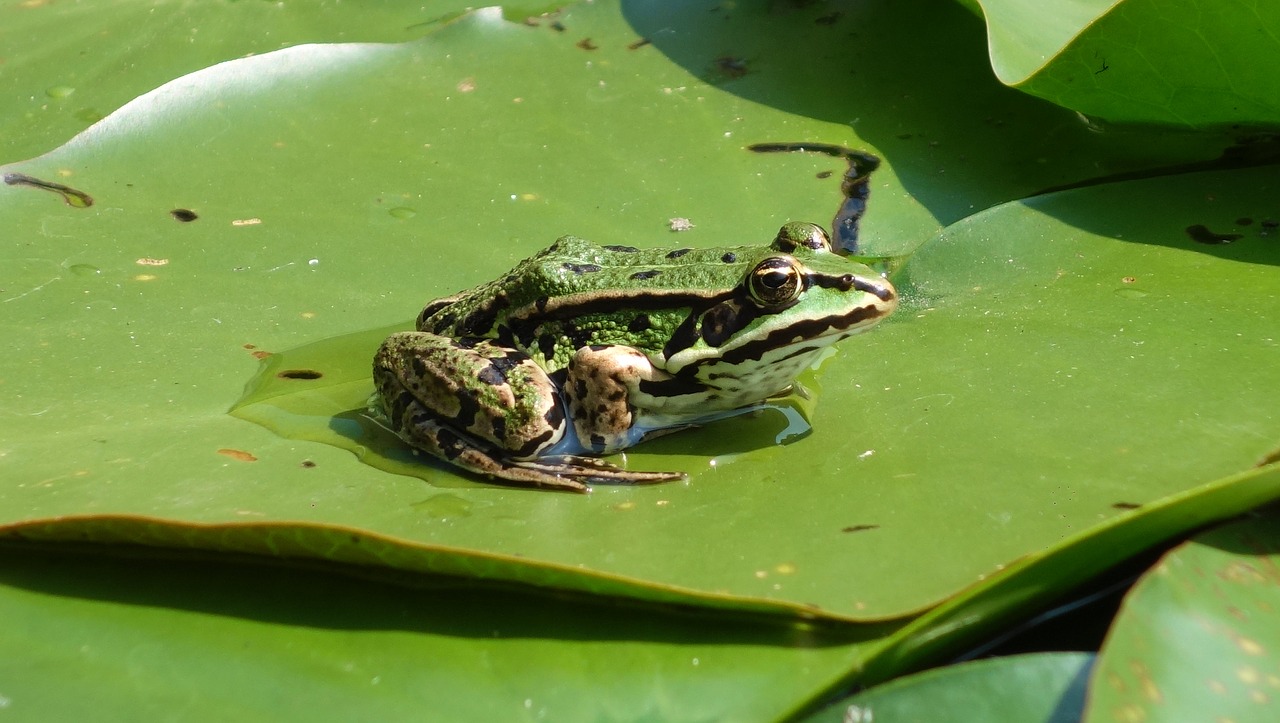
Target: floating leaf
[[1197, 636]]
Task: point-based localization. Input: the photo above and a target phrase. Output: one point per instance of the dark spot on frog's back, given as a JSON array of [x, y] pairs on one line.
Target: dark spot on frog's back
[[729, 257], [677, 253], [547, 345], [641, 322], [642, 275], [622, 249], [581, 268]]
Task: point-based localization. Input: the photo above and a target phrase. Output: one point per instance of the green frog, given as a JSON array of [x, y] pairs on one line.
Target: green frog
[[585, 350]]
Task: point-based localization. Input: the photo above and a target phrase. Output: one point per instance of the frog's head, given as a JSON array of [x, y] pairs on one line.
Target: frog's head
[[796, 297]]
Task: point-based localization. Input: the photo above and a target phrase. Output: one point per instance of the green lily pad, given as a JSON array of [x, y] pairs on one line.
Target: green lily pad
[[1197, 636], [90, 638], [1047, 687], [68, 65], [1180, 63], [310, 193]]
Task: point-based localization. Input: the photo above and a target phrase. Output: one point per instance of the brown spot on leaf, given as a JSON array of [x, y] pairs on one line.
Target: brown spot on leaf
[[237, 454]]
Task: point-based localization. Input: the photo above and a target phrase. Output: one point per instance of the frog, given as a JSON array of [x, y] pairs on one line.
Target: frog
[[584, 350]]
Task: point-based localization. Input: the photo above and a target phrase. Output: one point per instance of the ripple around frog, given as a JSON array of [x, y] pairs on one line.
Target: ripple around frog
[[318, 392]]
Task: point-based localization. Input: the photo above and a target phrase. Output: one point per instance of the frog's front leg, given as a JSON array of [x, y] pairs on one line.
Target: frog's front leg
[[602, 388], [485, 408]]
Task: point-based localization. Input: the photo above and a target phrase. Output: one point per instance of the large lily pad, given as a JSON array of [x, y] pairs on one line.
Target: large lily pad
[[1007, 407], [1180, 63]]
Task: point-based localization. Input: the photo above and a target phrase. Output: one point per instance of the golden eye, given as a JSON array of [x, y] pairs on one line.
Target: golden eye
[[775, 281]]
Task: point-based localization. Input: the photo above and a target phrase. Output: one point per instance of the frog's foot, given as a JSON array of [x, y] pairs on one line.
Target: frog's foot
[[589, 469], [570, 473]]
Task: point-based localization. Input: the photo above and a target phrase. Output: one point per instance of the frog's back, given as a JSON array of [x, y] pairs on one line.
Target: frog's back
[[575, 274], [573, 266]]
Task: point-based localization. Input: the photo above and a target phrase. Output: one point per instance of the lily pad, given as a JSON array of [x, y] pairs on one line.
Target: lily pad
[[92, 637], [1197, 637], [68, 65], [1009, 406], [1180, 63], [1047, 687]]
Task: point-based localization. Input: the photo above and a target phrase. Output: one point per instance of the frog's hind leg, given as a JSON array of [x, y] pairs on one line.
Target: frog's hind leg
[[424, 432], [570, 473], [485, 408]]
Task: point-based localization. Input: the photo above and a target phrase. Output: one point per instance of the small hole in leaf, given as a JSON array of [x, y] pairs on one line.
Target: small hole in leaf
[[300, 374]]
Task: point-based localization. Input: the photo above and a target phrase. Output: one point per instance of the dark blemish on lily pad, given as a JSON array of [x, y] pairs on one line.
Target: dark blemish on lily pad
[[1201, 234], [73, 197], [184, 215], [586, 44], [860, 528], [300, 374]]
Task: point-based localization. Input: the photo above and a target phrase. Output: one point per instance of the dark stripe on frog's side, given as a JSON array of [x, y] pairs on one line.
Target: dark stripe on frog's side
[[642, 275], [686, 382], [581, 268], [621, 249], [812, 328]]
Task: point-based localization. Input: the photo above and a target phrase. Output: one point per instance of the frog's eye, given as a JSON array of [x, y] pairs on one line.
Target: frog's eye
[[796, 234], [775, 281]]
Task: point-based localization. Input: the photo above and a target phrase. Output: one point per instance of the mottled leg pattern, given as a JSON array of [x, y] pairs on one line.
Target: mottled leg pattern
[[600, 384], [484, 408], [495, 395]]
